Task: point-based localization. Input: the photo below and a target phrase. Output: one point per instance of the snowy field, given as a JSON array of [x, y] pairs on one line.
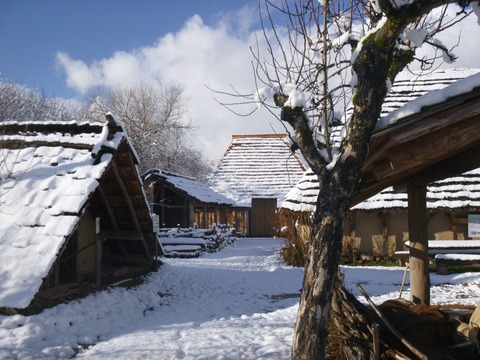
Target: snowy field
[[239, 303]]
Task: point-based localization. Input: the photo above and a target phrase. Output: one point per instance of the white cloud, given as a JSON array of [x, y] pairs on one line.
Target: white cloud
[[196, 56], [79, 75], [462, 33], [218, 56]]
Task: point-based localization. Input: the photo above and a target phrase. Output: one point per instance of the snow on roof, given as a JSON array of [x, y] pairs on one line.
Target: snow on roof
[[409, 92], [409, 88], [459, 192], [257, 166], [47, 173], [194, 188]]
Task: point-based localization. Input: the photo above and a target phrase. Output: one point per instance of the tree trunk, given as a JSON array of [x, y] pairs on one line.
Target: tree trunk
[[417, 230], [320, 273]]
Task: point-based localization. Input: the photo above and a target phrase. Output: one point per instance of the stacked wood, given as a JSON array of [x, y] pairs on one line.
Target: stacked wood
[[396, 329], [351, 333]]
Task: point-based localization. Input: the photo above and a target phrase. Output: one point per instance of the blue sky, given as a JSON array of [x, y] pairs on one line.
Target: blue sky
[[56, 46], [66, 47], [32, 32]]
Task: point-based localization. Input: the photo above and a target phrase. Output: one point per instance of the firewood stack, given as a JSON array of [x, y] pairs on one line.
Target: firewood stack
[[396, 329]]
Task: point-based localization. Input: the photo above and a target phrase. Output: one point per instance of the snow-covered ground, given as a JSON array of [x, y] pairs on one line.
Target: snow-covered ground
[[239, 303]]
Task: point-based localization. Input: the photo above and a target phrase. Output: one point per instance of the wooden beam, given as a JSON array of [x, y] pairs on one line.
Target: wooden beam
[[107, 206], [434, 147], [457, 164], [130, 207], [98, 260], [111, 216], [461, 162], [409, 129]]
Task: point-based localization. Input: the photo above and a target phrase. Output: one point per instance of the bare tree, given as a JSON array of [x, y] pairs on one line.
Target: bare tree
[[21, 104], [320, 55], [155, 121]]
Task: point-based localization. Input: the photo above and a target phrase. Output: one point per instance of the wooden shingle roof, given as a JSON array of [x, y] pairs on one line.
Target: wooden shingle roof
[[257, 166]]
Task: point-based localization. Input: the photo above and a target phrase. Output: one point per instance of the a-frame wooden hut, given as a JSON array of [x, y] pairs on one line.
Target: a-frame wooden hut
[[257, 171], [73, 215]]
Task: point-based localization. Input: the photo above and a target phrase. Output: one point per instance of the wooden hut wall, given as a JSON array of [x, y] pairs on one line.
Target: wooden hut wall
[[206, 216], [377, 233], [239, 219]]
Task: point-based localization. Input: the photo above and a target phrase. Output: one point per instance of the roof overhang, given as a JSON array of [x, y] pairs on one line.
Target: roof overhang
[[438, 142]]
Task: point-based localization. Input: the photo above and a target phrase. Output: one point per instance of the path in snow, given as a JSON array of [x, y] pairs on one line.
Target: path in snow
[[239, 303]]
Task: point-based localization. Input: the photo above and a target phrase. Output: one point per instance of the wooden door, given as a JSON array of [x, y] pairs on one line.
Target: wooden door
[[262, 217]]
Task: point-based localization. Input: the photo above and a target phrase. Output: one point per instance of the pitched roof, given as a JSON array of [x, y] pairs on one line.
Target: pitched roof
[[414, 90], [406, 95], [458, 192], [462, 191], [48, 171], [191, 187], [257, 166], [409, 86]]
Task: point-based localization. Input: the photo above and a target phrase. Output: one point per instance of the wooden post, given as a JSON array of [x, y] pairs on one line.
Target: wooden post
[[98, 267], [161, 201], [418, 235], [191, 216], [204, 223]]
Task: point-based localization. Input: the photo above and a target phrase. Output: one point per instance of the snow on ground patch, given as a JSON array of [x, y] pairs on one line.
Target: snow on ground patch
[[239, 303]]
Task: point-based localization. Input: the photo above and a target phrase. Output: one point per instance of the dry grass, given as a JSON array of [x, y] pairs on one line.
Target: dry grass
[[295, 227]]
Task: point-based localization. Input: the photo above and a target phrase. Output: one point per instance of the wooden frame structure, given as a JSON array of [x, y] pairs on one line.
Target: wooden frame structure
[[438, 142], [180, 201]]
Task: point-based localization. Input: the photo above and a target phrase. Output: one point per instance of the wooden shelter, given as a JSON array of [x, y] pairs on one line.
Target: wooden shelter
[[73, 213], [437, 142], [257, 171], [434, 138], [180, 201], [430, 138]]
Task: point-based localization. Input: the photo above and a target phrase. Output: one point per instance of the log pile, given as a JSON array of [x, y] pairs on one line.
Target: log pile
[[396, 329]]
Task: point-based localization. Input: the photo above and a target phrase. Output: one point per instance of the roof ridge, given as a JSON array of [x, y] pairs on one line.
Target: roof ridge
[[264, 136]]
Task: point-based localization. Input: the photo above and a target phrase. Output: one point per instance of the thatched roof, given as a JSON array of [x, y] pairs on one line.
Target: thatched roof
[[409, 93], [257, 166]]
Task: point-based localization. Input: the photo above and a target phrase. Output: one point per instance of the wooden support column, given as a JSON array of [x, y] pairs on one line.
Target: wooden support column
[[98, 259], [161, 200], [384, 234], [191, 214], [204, 222], [418, 235], [131, 208]]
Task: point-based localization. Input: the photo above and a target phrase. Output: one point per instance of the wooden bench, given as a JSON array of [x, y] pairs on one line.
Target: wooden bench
[[443, 261], [448, 253], [186, 247]]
